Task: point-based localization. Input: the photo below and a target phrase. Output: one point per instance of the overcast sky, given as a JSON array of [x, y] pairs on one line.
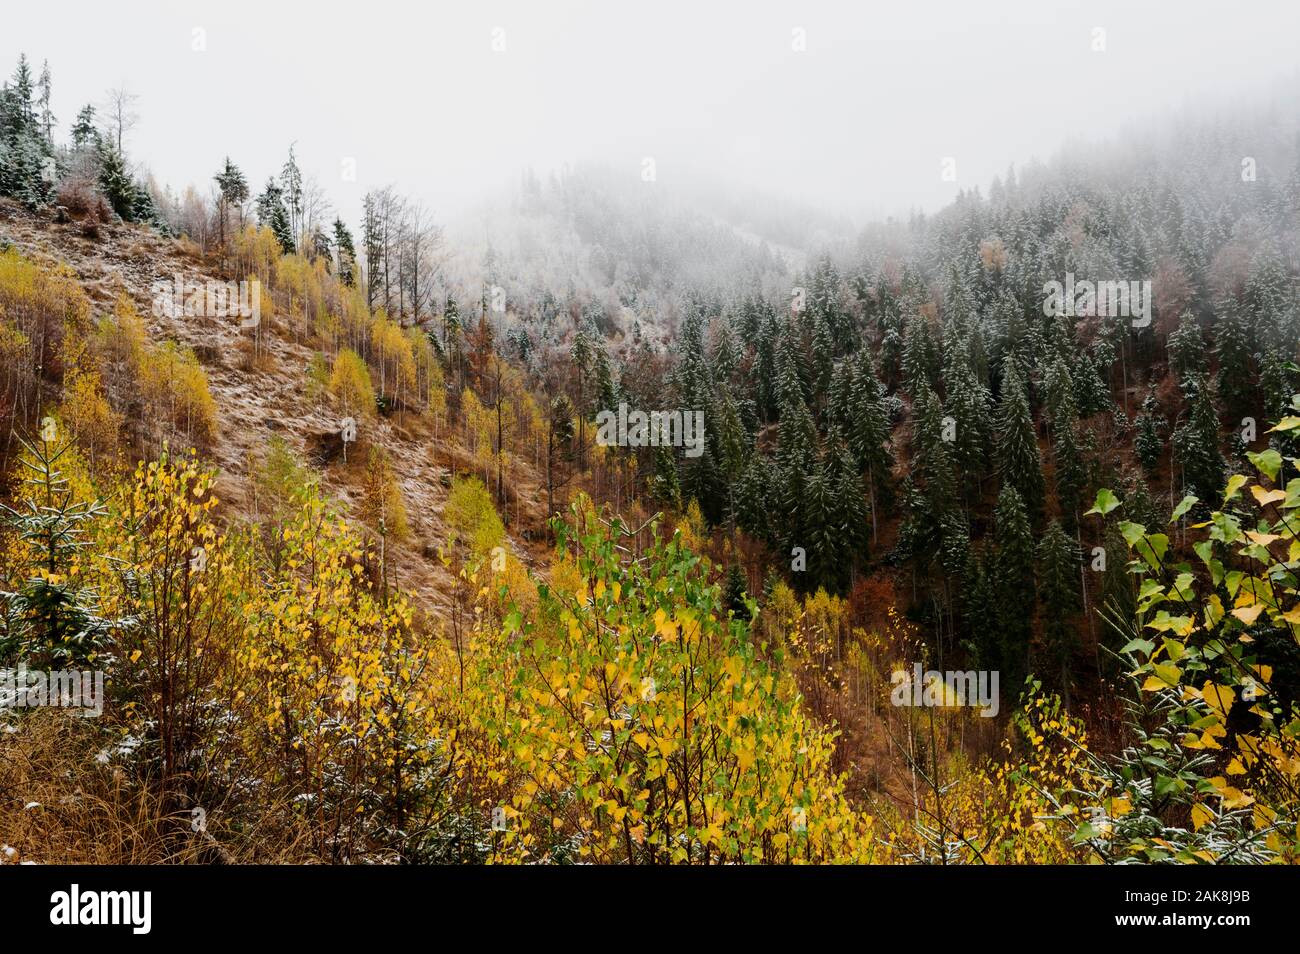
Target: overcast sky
[[858, 121]]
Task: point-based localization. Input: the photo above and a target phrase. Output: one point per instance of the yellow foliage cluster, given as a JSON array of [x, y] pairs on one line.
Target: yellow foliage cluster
[[166, 378], [627, 719], [382, 506], [39, 307], [350, 384]]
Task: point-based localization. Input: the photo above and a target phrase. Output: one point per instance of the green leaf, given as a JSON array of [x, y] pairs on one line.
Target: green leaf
[[1145, 645], [1187, 503], [1235, 483], [1267, 462], [1133, 532], [1106, 502]]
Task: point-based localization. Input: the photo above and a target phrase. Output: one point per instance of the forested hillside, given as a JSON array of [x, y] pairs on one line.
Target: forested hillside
[[371, 577]]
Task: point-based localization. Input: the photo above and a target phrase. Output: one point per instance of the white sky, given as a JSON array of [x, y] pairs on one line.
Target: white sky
[[857, 123]]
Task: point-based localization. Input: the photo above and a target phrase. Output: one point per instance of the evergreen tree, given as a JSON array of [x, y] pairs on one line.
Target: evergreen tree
[[52, 620], [797, 455], [822, 533], [292, 196], [753, 499], [85, 133], [1014, 585], [1019, 464], [1187, 355], [272, 214], [1059, 558], [1091, 394], [115, 182], [969, 404], [232, 190], [1148, 444], [931, 451], [867, 431], [1196, 444], [347, 253], [920, 354], [982, 616], [145, 211], [665, 483], [25, 152], [1070, 472], [1236, 380]]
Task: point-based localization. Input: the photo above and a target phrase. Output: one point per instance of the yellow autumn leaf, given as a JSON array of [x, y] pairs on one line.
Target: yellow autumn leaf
[[1248, 614]]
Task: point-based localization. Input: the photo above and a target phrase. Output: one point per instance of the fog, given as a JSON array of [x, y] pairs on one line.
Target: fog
[[850, 108]]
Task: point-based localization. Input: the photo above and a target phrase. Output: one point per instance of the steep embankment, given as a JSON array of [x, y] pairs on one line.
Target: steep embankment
[[258, 399]]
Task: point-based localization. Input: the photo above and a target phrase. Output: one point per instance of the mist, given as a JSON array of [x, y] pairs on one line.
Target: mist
[[852, 111]]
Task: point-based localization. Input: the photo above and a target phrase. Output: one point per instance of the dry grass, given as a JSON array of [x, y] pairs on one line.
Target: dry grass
[[61, 803]]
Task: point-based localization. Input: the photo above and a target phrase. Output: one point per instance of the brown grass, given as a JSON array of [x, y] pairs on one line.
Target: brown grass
[[60, 804]]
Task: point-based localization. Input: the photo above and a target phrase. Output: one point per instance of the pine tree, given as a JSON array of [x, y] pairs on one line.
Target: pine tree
[[25, 152], [846, 488], [1187, 355], [1236, 379], [867, 431], [1014, 585], [822, 536], [1148, 444], [931, 451], [753, 503], [920, 354], [797, 455], [85, 132], [115, 182], [347, 253], [1196, 443], [1059, 558], [981, 613], [969, 404], [291, 182], [1091, 393], [51, 620], [1019, 464], [1070, 472], [664, 484], [145, 211], [232, 190]]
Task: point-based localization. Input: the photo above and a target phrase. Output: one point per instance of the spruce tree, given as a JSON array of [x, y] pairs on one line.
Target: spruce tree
[[1019, 464], [271, 214], [1187, 355], [932, 456], [1148, 444], [85, 132], [1059, 559], [1236, 379], [347, 253], [821, 533], [1014, 585], [1196, 443], [664, 483], [868, 434], [1070, 471], [232, 190], [115, 182], [52, 620]]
